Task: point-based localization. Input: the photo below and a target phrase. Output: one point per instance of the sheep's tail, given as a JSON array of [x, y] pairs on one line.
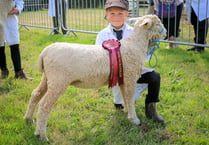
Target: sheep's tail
[[40, 63]]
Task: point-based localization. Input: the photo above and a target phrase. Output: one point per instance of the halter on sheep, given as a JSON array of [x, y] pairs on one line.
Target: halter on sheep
[[152, 48], [87, 66]]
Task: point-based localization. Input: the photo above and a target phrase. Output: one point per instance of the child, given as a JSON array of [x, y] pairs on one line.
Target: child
[[169, 11], [116, 14], [12, 39]]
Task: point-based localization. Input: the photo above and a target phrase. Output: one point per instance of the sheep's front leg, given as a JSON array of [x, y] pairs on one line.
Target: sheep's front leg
[[129, 104]]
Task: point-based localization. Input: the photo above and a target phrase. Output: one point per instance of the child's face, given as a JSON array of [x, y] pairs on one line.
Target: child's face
[[116, 17]]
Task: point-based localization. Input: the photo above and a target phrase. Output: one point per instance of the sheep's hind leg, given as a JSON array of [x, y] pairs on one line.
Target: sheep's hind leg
[[45, 107], [36, 96], [129, 103]]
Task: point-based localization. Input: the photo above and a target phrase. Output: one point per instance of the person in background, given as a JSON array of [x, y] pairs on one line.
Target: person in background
[[55, 10], [170, 14], [198, 14], [13, 40], [179, 10], [116, 13], [151, 8]]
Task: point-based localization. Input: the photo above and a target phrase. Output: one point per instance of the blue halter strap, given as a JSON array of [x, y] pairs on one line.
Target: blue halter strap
[[152, 53], [152, 50]]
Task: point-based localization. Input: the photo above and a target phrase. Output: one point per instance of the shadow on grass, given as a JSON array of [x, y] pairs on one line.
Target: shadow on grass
[[120, 130]]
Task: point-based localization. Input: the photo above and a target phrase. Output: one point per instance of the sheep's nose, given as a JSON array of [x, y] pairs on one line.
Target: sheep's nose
[[165, 34]]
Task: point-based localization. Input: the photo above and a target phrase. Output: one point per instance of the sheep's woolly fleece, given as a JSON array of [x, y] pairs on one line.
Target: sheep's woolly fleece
[[87, 66]]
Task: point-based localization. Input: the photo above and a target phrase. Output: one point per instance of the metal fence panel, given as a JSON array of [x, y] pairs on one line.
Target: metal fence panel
[[88, 16], [35, 14]]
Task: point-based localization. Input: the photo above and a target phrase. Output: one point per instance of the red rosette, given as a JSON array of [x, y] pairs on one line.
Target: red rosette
[[116, 65], [111, 44]]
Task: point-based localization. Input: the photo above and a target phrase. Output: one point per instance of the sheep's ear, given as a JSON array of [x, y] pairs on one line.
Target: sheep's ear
[[146, 23]]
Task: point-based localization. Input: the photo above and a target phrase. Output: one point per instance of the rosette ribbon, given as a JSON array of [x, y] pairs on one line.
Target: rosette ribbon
[[116, 64]]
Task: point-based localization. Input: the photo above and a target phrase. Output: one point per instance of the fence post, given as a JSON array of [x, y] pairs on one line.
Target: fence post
[[134, 8], [64, 8]]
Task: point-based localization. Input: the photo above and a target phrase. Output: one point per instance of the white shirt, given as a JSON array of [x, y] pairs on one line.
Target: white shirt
[[107, 33], [11, 26], [200, 7]]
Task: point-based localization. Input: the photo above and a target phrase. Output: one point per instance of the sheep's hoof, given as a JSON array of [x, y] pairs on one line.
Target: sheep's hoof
[[29, 121], [44, 139], [135, 121]]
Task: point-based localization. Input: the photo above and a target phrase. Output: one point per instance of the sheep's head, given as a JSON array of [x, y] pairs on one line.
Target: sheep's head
[[152, 25]]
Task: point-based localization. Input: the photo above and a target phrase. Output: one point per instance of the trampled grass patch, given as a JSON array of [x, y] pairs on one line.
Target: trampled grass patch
[[89, 117]]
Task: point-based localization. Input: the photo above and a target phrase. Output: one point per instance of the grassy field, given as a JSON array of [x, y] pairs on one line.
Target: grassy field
[[88, 117]]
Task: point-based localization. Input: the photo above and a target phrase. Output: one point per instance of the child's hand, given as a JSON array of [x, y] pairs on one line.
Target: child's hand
[[157, 36], [154, 37], [151, 43], [13, 11]]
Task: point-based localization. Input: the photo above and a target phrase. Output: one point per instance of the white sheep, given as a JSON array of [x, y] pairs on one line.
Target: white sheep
[[87, 66], [5, 7]]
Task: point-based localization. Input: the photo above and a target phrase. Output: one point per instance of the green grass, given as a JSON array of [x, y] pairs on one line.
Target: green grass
[[88, 117]]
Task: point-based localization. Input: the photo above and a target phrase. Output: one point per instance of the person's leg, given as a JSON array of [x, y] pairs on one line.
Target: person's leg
[[165, 23], [55, 19], [153, 81], [169, 26], [16, 59], [118, 99], [55, 24], [200, 30], [172, 28], [13, 40], [3, 65], [202, 34], [15, 56], [179, 10], [178, 18], [194, 24]]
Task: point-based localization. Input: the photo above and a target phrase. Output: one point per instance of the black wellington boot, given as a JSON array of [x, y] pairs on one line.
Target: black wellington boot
[[16, 59], [4, 73], [3, 64], [21, 75], [151, 113]]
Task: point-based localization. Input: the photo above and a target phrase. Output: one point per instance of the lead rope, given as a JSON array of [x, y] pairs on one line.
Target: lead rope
[[152, 53]]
